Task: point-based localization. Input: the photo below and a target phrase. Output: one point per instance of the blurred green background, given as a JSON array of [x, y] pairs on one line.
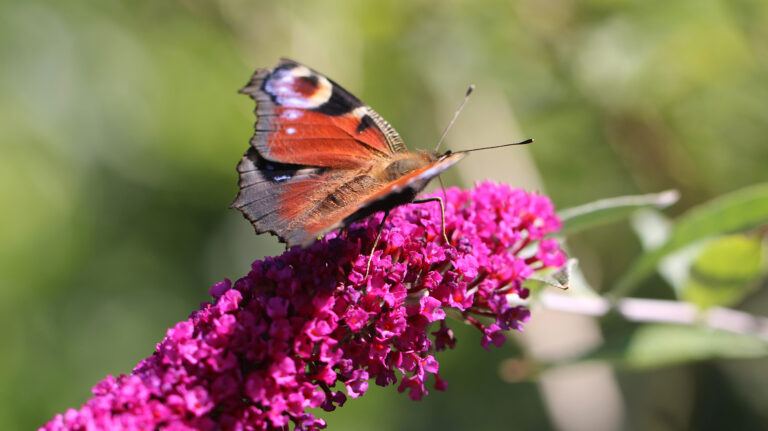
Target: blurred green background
[[120, 129]]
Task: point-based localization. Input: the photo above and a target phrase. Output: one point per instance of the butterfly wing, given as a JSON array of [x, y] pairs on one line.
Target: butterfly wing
[[304, 118], [319, 158], [382, 195], [273, 196], [299, 203]]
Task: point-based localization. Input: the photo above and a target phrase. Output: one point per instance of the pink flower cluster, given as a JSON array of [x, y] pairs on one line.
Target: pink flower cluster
[[308, 329]]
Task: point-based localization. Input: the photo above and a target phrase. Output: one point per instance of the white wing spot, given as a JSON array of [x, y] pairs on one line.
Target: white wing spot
[[290, 130], [291, 114], [359, 112]]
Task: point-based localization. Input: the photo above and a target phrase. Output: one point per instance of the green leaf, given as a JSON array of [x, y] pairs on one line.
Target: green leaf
[[659, 345], [726, 271], [608, 210], [733, 212]]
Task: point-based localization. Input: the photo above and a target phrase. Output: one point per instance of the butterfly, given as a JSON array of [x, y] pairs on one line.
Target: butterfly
[[321, 159]]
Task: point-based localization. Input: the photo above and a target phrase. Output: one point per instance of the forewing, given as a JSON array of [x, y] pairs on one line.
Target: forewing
[[304, 118], [381, 196], [417, 179]]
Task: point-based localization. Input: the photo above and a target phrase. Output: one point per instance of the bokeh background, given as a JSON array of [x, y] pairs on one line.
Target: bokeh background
[[120, 129]]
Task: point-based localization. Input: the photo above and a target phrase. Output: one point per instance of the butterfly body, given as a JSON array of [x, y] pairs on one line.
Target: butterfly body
[[321, 159]]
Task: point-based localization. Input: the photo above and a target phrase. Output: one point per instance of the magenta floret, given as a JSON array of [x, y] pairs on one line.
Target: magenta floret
[[301, 327]]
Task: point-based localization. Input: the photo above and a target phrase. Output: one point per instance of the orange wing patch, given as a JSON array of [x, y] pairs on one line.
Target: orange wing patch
[[305, 118]]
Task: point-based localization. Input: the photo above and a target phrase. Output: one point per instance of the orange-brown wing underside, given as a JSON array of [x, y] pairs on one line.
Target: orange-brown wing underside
[[378, 196], [299, 204]]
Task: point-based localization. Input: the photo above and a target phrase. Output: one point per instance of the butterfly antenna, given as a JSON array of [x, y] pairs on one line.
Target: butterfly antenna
[[455, 116], [527, 141]]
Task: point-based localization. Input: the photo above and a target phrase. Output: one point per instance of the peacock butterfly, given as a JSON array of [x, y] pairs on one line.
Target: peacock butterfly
[[321, 159]]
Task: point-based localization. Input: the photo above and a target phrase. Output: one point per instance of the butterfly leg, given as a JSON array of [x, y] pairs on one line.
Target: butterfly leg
[[442, 213], [376, 242]]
